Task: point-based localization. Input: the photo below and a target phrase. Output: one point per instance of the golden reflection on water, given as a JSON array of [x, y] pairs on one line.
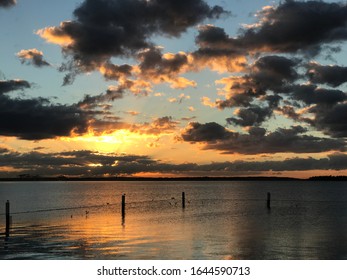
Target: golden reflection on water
[[138, 236]]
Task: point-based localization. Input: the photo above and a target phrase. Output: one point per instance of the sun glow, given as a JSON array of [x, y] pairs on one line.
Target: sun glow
[[120, 141]]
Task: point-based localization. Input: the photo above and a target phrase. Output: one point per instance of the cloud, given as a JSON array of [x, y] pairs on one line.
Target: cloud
[[162, 125], [206, 101], [112, 93], [332, 75], [116, 72], [164, 68], [12, 85], [211, 36], [7, 3], [273, 79], [217, 51], [196, 132], [268, 73], [257, 141], [290, 27], [332, 120], [274, 72], [75, 163], [32, 57], [250, 116], [137, 87], [90, 163], [311, 94], [132, 113], [104, 29], [179, 99], [291, 113], [216, 47], [152, 60], [296, 26], [110, 123], [37, 118]]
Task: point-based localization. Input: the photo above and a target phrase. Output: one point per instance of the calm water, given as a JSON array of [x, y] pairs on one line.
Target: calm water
[[222, 220]]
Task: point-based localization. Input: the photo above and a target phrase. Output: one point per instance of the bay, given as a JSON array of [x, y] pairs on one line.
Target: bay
[[221, 220]]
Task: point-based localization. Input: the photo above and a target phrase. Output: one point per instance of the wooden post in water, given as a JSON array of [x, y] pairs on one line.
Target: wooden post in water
[[7, 218], [183, 200], [268, 203], [123, 205]]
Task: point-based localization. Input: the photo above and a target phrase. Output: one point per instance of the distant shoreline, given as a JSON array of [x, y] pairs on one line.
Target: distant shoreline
[[256, 178]]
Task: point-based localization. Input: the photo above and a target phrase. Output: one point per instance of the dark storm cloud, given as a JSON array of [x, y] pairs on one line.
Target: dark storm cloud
[[289, 111], [243, 99], [102, 29], [268, 73], [109, 70], [152, 61], [290, 27], [35, 119], [75, 162], [297, 25], [292, 140], [208, 132], [311, 94], [254, 115], [32, 57], [212, 37], [332, 75], [12, 85], [214, 41], [277, 75], [89, 163], [7, 3], [274, 72], [115, 72], [111, 94], [331, 120], [327, 106]]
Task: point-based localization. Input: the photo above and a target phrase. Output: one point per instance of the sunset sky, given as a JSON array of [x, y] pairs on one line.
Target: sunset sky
[[173, 88]]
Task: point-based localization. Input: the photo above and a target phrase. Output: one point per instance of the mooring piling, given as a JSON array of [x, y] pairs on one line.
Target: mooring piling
[[183, 200], [8, 219], [268, 203], [123, 205]]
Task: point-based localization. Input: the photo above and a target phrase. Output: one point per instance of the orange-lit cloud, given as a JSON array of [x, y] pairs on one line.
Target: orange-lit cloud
[[132, 113], [206, 101], [32, 56], [179, 99], [92, 163], [56, 35]]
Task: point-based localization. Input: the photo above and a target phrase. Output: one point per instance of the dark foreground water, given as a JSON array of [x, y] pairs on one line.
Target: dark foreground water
[[222, 220]]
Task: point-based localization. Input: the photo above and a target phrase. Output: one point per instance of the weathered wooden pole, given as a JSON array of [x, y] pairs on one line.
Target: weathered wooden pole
[[123, 205], [268, 203], [183, 200], [7, 218]]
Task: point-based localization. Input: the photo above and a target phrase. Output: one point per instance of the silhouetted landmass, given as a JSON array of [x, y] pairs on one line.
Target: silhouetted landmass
[[328, 178], [151, 179]]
